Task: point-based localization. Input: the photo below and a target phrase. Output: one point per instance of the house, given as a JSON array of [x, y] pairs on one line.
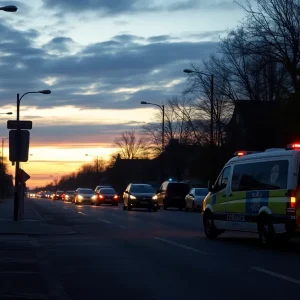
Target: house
[[254, 126]]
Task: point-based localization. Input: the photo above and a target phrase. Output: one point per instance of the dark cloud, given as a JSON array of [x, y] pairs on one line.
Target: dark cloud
[[59, 44], [160, 38], [118, 7]]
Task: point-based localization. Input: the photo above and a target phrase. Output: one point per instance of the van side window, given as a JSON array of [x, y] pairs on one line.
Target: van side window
[[221, 182], [266, 175]]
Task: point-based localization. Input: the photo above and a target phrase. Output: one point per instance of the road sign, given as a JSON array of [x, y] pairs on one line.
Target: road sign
[[18, 145], [13, 124], [23, 176]]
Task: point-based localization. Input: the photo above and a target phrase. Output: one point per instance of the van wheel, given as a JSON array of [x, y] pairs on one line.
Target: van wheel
[[209, 226], [265, 230]]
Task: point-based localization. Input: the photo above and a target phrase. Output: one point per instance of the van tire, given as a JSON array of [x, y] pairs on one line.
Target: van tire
[[209, 226], [265, 230]]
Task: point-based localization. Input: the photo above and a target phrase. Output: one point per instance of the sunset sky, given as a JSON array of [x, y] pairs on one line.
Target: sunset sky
[[100, 58]]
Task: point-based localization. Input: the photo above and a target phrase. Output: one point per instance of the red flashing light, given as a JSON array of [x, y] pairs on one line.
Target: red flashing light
[[296, 146], [240, 153]]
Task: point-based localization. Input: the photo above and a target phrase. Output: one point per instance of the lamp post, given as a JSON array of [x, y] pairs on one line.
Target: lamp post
[[17, 170], [162, 107], [211, 101], [97, 162], [9, 8]]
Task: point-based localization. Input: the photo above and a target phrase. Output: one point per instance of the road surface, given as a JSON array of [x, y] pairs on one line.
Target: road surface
[[117, 254]]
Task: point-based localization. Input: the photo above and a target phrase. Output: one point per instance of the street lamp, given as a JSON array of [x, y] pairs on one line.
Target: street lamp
[[162, 107], [7, 113], [188, 71], [17, 170], [9, 8], [97, 163]]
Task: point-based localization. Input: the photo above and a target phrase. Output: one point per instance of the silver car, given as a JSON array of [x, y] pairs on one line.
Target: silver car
[[140, 196], [194, 199], [84, 196]]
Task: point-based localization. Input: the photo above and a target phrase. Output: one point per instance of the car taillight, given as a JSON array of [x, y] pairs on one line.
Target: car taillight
[[101, 197], [291, 204], [116, 196]]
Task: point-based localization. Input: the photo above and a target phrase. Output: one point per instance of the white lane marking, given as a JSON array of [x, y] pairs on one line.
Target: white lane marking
[[40, 217], [82, 213], [123, 227], [180, 245], [65, 208], [284, 277], [105, 221]]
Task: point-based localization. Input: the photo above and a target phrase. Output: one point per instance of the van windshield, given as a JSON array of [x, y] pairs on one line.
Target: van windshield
[[178, 188]]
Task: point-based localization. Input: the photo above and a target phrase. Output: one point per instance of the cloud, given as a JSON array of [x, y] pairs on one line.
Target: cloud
[[110, 74], [120, 7], [59, 45]]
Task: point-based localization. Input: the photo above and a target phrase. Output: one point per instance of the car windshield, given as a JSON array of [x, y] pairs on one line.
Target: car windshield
[[143, 188], [70, 192], [107, 191], [201, 192], [86, 191]]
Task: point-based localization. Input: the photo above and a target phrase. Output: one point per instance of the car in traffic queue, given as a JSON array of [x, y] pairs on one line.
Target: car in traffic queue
[[140, 196], [58, 195], [98, 187], [107, 196], [172, 194], [194, 199], [256, 192], [68, 196], [84, 196]]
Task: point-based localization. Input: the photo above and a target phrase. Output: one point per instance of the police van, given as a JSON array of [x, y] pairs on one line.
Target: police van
[[256, 192]]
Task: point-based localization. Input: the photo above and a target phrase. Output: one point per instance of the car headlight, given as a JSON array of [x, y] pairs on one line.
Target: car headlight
[[94, 197], [67, 196], [80, 197], [132, 197], [154, 197]]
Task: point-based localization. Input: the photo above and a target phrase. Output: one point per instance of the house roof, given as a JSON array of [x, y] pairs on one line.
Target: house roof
[[254, 112]]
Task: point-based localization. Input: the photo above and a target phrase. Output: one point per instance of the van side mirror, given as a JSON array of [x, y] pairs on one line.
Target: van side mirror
[[126, 192], [210, 186]]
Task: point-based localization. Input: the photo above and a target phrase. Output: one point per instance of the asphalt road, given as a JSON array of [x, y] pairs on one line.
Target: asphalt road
[[118, 254]]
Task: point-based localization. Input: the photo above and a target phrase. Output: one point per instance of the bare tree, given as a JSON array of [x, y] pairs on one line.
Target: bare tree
[[131, 147], [273, 33]]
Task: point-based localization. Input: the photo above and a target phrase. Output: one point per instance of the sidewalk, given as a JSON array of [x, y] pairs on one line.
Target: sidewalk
[[25, 272], [33, 224]]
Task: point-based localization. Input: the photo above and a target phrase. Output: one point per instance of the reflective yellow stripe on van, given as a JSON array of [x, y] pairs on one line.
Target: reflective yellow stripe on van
[[236, 203], [277, 201]]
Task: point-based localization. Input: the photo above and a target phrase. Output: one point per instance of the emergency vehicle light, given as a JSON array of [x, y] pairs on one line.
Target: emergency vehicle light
[[242, 153], [293, 146]]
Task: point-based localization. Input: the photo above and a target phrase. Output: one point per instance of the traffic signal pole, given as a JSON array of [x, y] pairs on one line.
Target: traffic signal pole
[[16, 192]]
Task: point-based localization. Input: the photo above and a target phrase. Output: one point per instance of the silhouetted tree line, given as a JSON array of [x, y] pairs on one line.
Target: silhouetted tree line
[[6, 182], [256, 61]]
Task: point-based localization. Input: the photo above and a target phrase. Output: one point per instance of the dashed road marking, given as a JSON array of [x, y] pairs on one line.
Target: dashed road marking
[[82, 213], [123, 227], [105, 221], [284, 277], [39, 216], [180, 245], [65, 208]]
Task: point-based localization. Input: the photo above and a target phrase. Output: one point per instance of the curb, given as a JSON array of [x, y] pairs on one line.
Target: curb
[[38, 233]]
